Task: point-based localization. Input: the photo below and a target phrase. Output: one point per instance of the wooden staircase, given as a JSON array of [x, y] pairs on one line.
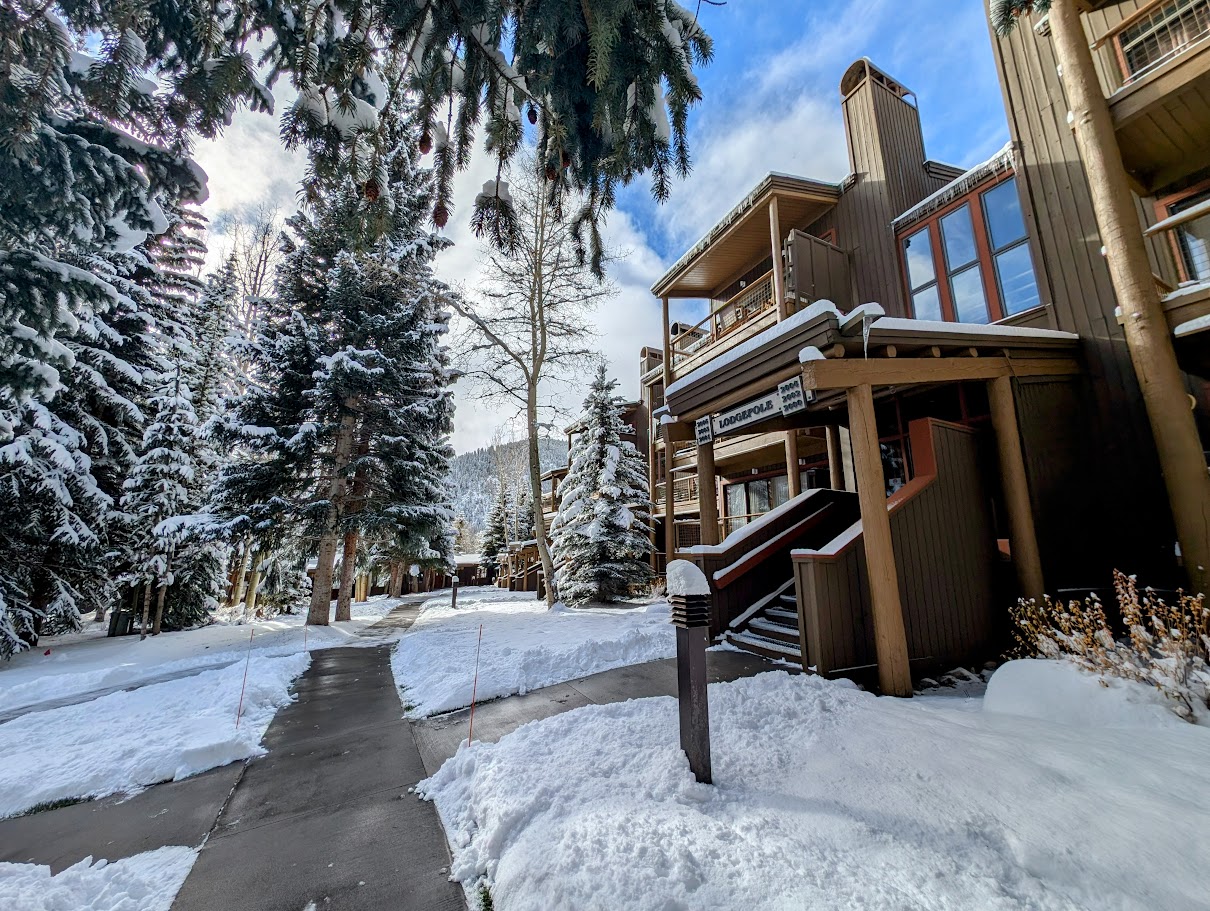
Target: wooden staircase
[[770, 628]]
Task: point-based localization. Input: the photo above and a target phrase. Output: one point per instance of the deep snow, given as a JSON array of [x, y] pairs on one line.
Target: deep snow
[[524, 647], [120, 742], [80, 663], [827, 797], [145, 882]]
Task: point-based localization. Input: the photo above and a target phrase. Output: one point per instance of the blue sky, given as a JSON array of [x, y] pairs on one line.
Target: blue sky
[[771, 103]]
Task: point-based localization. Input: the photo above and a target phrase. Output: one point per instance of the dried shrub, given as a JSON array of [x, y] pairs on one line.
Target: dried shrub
[[1165, 645]]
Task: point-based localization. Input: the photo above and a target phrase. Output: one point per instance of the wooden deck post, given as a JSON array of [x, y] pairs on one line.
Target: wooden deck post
[[779, 278], [793, 479], [1026, 558], [835, 465], [667, 347], [669, 500], [707, 493], [890, 637]]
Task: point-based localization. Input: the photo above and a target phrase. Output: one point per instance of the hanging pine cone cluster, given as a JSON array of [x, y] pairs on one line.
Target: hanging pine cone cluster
[[440, 215], [532, 114], [371, 190], [426, 143]]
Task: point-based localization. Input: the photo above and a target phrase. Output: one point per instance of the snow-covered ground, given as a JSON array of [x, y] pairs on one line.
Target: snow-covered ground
[[126, 740], [84, 662], [145, 882], [524, 646], [827, 797]]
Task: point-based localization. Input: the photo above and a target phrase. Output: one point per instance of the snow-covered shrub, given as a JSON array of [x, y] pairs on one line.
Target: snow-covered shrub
[[1166, 645]]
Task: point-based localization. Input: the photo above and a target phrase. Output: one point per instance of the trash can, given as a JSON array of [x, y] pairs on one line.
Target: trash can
[[119, 622]]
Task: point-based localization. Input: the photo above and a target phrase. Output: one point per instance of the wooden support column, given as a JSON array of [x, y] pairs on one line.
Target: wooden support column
[[793, 480], [835, 465], [779, 277], [669, 505], [667, 347], [1027, 560], [890, 637], [707, 493]]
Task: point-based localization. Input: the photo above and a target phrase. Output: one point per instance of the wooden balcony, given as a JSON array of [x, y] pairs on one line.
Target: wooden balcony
[[739, 318], [1155, 65]]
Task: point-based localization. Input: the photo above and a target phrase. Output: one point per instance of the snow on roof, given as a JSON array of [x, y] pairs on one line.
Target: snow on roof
[[1193, 326], [774, 332], [957, 187], [938, 327], [685, 579]]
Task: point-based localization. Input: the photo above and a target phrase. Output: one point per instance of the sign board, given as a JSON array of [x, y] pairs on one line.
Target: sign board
[[787, 398], [705, 432]]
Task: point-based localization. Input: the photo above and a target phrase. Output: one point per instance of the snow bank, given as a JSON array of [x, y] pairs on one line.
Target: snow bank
[[80, 663], [120, 742], [827, 797], [1061, 692], [525, 646], [145, 882], [685, 579]]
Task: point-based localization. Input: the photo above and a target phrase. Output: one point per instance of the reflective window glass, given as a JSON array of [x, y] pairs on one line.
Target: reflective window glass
[[926, 304], [958, 234], [918, 255], [1018, 288], [1003, 209], [970, 303]]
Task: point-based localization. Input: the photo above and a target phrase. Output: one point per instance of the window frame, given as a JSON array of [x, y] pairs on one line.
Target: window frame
[[985, 254], [1163, 209]]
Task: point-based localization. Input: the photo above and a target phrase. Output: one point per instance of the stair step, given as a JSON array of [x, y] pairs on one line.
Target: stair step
[[789, 599], [771, 630], [789, 615], [767, 648]]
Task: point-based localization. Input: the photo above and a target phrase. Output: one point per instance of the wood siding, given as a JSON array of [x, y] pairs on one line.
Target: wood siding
[[941, 526], [817, 270], [1058, 210], [886, 155]]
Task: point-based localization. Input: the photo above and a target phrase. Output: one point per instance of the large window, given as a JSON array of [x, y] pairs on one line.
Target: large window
[[970, 262], [922, 278], [1167, 30]]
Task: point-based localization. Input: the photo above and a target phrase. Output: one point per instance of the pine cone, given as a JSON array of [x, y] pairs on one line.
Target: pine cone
[[372, 190], [551, 173], [532, 114], [440, 215], [566, 160], [426, 143]]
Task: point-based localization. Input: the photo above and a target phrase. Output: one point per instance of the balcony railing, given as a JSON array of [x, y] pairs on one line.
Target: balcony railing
[[741, 309], [684, 490], [1156, 33]]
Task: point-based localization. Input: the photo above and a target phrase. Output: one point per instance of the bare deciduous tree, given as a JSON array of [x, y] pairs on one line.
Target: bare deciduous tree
[[530, 324]]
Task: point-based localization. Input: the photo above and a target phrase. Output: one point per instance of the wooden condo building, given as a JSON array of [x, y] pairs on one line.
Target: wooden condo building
[[909, 400]]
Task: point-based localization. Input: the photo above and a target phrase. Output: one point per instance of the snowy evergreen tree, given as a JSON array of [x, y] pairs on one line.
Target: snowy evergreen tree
[[345, 425], [602, 530], [495, 536]]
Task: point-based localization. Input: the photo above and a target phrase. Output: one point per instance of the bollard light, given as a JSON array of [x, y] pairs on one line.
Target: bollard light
[[689, 595]]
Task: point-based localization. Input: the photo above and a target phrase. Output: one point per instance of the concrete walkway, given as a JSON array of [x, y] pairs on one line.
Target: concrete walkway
[[439, 737], [325, 820]]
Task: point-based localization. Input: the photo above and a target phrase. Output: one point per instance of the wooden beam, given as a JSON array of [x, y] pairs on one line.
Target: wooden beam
[[834, 350], [707, 493], [751, 390], [835, 459], [890, 636], [1027, 559], [905, 371], [667, 347], [669, 500], [792, 477], [779, 276]]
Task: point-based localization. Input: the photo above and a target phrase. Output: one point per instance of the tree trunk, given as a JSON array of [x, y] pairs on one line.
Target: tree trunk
[[160, 597], [146, 611], [1147, 338], [396, 583], [237, 588], [254, 574], [321, 591], [347, 573], [535, 491]]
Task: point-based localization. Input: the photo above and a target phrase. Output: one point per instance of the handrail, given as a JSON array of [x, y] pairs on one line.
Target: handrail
[[714, 333], [764, 551]]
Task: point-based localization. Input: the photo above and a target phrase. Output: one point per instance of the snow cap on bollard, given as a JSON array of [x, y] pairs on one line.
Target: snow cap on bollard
[[684, 578], [689, 594]]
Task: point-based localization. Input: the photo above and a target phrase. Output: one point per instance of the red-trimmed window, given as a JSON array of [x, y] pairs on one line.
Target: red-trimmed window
[[970, 262]]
